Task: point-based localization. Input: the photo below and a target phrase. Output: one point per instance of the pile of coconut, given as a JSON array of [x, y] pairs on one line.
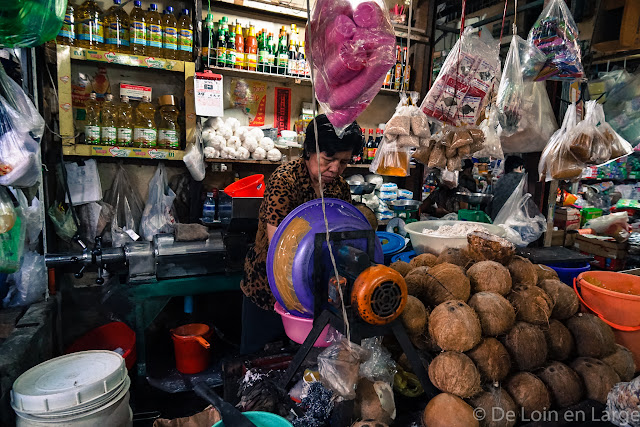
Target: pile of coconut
[[506, 333], [226, 139]]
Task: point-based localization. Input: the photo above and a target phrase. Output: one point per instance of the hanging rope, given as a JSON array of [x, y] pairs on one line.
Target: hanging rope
[[504, 16]]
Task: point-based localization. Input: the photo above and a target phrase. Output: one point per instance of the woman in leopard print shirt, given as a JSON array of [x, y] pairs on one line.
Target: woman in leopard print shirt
[[291, 185]]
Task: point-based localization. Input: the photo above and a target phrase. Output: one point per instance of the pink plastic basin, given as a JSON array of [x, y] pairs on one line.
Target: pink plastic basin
[[297, 328]]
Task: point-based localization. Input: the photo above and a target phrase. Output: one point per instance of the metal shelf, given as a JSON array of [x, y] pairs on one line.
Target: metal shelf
[[126, 59], [122, 152]]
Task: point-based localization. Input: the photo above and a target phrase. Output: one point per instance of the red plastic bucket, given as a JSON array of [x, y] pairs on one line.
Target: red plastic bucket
[[191, 347], [251, 186], [111, 336]]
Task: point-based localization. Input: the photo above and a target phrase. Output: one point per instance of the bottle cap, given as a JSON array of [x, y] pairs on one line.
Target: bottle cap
[[153, 7], [124, 98], [108, 96], [185, 11], [116, 1], [92, 95], [145, 98], [137, 3], [167, 100]]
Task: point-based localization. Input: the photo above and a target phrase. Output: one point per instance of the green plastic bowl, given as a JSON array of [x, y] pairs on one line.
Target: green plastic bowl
[[262, 419]]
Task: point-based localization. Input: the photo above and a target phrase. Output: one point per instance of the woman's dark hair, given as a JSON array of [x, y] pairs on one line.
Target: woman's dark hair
[[512, 162], [328, 140]]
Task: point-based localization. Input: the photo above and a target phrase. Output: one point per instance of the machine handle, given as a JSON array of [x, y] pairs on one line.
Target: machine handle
[[203, 342]]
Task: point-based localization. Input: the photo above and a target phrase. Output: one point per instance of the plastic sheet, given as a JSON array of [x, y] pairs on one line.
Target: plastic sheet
[[128, 208], [461, 90], [380, 366], [157, 217], [352, 47], [555, 33], [339, 367], [29, 283]]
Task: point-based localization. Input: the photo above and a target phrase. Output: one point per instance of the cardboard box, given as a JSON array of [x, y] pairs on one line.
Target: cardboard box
[[566, 218], [562, 238], [602, 246]]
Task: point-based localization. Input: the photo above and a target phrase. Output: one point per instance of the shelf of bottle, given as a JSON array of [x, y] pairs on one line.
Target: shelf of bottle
[[121, 152], [268, 162], [111, 57]]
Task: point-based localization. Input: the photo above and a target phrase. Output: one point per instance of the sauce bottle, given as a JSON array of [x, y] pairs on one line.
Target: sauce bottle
[[124, 122], [138, 30], [251, 49], [231, 50], [67, 34], [168, 128], [239, 62], [208, 42], [169, 34], [116, 24], [92, 120], [108, 122], [89, 25], [144, 129], [154, 31], [185, 37]]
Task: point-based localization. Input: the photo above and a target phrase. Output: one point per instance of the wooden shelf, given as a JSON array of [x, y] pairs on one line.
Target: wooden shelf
[[111, 57], [416, 34], [121, 152]]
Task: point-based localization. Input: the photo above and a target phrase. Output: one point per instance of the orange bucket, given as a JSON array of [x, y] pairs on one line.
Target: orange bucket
[[618, 305], [191, 347], [251, 186]]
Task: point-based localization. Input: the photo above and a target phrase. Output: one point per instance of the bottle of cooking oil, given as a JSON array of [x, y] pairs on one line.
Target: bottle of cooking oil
[[92, 120], [169, 34], [154, 31], [89, 25], [124, 122], [108, 121], [138, 30], [168, 128], [185, 37], [144, 127], [67, 34], [116, 24]]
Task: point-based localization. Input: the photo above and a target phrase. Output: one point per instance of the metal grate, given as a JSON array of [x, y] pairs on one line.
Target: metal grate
[[386, 299]]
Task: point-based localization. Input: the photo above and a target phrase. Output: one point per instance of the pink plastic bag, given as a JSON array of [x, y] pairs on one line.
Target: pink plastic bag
[[352, 49]]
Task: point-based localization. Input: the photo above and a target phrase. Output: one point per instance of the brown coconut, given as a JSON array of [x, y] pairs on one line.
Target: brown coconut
[[528, 392], [532, 304], [446, 282], [496, 314], [423, 260], [497, 407], [598, 377], [592, 336], [448, 410], [545, 272], [416, 281], [454, 326], [424, 342], [489, 276], [559, 340], [526, 345], [488, 247], [491, 359], [622, 362], [414, 316], [455, 373], [456, 256], [375, 400], [522, 271], [401, 267], [565, 300], [563, 383]]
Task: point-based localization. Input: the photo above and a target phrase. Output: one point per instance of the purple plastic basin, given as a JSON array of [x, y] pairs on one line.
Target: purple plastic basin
[[341, 216]]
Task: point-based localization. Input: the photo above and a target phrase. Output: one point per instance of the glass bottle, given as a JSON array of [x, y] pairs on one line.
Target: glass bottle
[[89, 25], [154, 31], [168, 128], [92, 120], [185, 37], [271, 45], [302, 60], [209, 208], [407, 69], [67, 34], [144, 127], [231, 50], [221, 46], [283, 53], [263, 53], [239, 62], [292, 62], [124, 122], [251, 49], [116, 24], [108, 132], [208, 41], [138, 30], [397, 74]]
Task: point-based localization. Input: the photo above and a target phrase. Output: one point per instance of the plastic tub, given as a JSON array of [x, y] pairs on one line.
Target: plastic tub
[[566, 273], [191, 347], [423, 243], [262, 419], [297, 328], [111, 336], [614, 305], [251, 186]]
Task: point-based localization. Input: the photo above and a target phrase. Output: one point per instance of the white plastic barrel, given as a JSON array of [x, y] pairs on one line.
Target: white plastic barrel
[[83, 389]]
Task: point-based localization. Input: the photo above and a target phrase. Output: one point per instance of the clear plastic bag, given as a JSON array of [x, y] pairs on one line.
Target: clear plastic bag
[[128, 208], [29, 23], [408, 124], [461, 90], [556, 161], [352, 47], [615, 225], [620, 147], [489, 127], [555, 33], [33, 219], [26, 114], [339, 367], [520, 217], [29, 283], [380, 366], [157, 217], [391, 160], [194, 157], [622, 404], [62, 220], [12, 240], [94, 218]]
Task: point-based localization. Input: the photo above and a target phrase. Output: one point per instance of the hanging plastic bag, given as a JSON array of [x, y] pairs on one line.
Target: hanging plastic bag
[[33, 219], [339, 367], [62, 220], [489, 127], [620, 147], [556, 161], [29, 283], [23, 110], [128, 208], [157, 217], [29, 23], [461, 90], [194, 157], [520, 217], [94, 218], [555, 33], [352, 47], [390, 159], [12, 239]]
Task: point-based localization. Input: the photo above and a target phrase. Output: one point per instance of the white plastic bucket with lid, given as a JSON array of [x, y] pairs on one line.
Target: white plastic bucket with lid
[[81, 389]]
